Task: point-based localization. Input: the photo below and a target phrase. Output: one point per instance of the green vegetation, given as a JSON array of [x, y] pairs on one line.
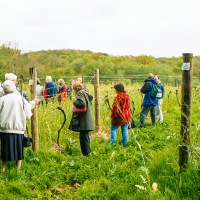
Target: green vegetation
[[72, 63], [111, 172]]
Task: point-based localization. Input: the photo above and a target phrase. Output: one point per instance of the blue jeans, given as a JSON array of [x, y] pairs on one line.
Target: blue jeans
[[144, 112], [113, 133]]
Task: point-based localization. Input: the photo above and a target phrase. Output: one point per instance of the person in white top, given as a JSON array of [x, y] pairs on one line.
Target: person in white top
[[39, 91], [13, 77], [14, 110]]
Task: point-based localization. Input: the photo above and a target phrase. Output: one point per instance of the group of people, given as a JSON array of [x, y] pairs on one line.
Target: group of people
[[121, 113], [14, 110], [53, 90]]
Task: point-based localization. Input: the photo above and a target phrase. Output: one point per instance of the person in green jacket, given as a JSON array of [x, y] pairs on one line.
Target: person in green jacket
[[82, 122]]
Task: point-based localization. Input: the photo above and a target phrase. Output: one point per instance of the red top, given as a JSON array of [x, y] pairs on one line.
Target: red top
[[45, 93], [121, 113], [62, 93]]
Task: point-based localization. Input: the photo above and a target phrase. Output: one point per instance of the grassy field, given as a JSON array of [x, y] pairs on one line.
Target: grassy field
[[111, 172]]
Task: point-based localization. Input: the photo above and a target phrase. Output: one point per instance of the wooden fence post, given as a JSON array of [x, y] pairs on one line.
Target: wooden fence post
[[97, 101], [22, 84], [34, 118], [186, 93]]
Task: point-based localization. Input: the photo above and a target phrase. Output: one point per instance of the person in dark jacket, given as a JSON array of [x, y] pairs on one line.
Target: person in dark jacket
[[149, 103], [121, 114], [51, 87], [82, 122]]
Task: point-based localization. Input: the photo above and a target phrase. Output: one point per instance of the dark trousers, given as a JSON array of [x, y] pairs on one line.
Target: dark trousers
[[144, 112], [84, 142]]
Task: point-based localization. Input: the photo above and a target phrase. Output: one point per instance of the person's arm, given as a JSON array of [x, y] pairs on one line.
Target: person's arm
[[27, 108], [145, 88]]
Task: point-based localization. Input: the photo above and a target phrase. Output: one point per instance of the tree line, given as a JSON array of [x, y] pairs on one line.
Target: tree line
[[70, 62]]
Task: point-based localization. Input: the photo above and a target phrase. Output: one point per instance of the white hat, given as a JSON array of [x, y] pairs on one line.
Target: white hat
[[8, 86], [48, 78], [10, 76]]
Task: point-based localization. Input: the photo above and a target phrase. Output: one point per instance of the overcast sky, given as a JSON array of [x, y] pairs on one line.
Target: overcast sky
[[161, 28]]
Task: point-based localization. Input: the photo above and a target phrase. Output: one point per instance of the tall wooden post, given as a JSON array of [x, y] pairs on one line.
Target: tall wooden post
[[97, 101], [22, 84], [186, 92], [34, 118]]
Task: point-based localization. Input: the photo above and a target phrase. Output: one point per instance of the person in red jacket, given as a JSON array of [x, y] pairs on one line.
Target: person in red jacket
[[62, 90], [121, 114]]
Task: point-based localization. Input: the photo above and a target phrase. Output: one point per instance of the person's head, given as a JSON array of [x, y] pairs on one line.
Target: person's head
[[77, 86], [8, 86], [79, 79], [150, 76], [157, 78], [71, 83], [11, 77], [61, 82], [48, 79], [119, 87]]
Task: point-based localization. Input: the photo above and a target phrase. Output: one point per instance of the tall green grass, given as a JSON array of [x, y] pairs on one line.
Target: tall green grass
[[110, 172]]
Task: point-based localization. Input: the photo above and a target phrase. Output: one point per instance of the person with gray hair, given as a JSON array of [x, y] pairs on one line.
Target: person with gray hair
[[14, 110], [51, 88], [12, 77]]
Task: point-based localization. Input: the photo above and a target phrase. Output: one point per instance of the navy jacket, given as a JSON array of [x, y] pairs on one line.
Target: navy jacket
[[146, 88], [51, 89]]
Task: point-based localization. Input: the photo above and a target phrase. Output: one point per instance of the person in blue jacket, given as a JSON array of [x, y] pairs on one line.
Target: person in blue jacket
[[149, 103], [51, 87]]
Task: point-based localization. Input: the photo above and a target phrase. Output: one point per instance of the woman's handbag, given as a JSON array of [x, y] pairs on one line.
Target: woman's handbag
[[79, 110], [27, 141]]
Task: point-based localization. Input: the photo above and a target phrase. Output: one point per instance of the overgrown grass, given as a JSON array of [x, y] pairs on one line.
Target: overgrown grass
[[111, 172]]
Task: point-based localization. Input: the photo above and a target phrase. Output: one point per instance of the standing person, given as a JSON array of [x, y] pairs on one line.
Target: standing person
[[82, 122], [62, 90], [39, 91], [149, 103], [51, 88], [121, 114], [80, 80], [14, 110], [1, 89], [12, 77], [160, 100], [70, 89]]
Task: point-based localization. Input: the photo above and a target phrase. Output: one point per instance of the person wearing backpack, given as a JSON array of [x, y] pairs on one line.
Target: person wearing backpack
[[149, 101], [159, 107]]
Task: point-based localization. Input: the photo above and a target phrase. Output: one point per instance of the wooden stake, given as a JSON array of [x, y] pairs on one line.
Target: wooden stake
[[34, 118], [186, 93], [97, 101]]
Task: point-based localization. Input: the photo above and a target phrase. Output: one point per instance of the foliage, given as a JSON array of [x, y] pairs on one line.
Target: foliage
[[73, 63], [110, 172]]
